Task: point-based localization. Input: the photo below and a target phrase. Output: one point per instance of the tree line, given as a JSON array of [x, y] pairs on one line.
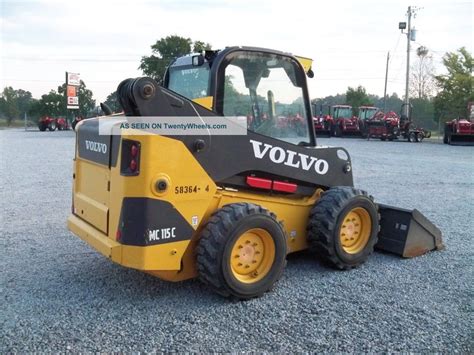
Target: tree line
[[15, 104], [434, 97]]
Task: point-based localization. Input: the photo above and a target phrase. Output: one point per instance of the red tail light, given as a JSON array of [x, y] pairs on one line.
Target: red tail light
[[134, 150], [130, 163], [133, 165]]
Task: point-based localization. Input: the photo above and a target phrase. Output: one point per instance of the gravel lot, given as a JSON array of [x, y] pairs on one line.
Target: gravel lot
[[59, 295]]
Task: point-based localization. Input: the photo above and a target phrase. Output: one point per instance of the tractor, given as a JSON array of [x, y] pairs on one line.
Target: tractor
[[392, 126], [366, 113], [322, 122], [227, 210], [51, 124], [344, 122], [383, 125], [460, 131]]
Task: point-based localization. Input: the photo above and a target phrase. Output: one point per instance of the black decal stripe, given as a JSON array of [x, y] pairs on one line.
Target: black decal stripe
[[139, 216], [89, 131]]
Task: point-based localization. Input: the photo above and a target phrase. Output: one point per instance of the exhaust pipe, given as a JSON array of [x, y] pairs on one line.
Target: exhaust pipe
[[407, 233]]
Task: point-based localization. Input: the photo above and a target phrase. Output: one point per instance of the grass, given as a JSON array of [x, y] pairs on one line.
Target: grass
[[16, 124]]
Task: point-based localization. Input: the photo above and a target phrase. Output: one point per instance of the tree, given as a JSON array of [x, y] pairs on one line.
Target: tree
[[422, 83], [86, 102], [392, 103], [423, 112], [357, 97], [456, 86], [164, 51], [112, 102], [50, 104], [326, 102], [15, 103], [9, 104]]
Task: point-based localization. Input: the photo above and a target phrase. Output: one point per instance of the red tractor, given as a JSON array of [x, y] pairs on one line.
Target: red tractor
[[392, 126], [322, 123], [460, 130], [383, 125], [344, 123], [366, 113], [51, 123]]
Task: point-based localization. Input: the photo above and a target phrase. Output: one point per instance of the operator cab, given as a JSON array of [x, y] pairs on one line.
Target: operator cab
[[341, 111], [265, 87], [367, 112]]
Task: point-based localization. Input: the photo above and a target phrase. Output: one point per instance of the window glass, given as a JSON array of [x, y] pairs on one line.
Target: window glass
[[342, 112], [190, 81], [264, 88]]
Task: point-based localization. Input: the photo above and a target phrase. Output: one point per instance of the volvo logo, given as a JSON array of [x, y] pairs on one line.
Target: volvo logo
[[96, 147], [288, 157]]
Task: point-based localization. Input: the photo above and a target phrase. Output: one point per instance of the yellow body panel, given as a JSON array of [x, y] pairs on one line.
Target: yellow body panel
[[153, 257], [205, 101], [305, 62]]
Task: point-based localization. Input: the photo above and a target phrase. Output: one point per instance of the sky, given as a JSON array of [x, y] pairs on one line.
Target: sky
[[105, 40]]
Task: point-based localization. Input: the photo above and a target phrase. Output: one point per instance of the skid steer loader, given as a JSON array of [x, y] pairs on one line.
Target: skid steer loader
[[229, 209]]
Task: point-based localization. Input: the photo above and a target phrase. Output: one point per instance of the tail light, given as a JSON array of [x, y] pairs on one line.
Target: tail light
[[130, 164]]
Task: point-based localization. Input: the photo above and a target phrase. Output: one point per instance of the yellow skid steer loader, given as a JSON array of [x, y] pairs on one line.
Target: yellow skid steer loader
[[229, 209]]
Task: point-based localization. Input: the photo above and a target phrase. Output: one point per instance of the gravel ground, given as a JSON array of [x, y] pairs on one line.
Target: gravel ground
[[59, 295]]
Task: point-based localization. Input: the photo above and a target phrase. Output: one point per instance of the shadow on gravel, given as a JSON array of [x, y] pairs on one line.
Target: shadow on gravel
[[90, 279]]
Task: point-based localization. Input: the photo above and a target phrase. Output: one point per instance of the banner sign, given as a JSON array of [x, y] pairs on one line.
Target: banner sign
[[73, 82]]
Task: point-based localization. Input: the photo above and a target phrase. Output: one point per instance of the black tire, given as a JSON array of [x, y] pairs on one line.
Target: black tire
[[218, 237], [42, 128], [339, 132], [383, 138], [325, 221], [445, 138], [52, 126], [412, 137]]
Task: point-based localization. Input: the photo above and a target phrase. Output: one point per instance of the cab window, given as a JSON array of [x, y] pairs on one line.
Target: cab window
[[268, 90], [190, 81]]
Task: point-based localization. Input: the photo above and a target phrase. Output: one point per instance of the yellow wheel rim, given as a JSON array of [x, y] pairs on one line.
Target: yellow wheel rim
[[252, 255], [355, 230]]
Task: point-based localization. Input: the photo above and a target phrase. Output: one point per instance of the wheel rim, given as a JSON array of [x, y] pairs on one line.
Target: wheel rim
[[252, 255], [355, 230]]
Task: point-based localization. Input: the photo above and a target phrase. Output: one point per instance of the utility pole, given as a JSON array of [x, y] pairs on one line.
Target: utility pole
[[410, 37], [385, 88], [407, 82]]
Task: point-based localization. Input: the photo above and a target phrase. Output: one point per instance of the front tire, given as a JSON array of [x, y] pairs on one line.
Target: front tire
[[343, 227], [52, 126], [242, 251]]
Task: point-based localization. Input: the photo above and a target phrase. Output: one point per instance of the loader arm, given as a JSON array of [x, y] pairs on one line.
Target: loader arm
[[309, 167]]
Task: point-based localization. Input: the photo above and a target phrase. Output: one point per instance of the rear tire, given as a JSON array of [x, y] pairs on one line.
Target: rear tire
[[412, 137], [242, 251], [343, 227]]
